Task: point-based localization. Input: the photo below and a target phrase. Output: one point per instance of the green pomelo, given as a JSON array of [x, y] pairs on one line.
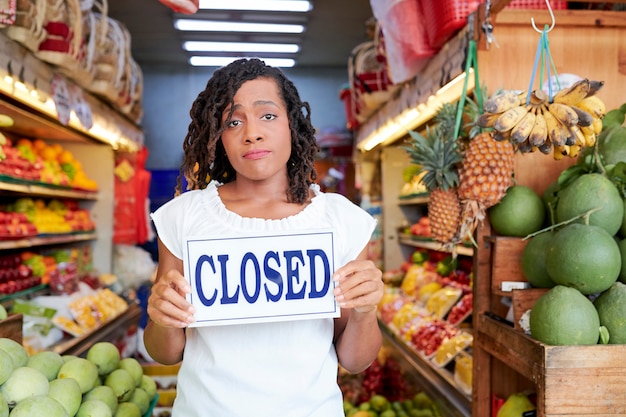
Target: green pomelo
[[592, 191], [67, 392], [94, 408], [134, 368], [24, 382], [4, 407], [122, 383], [82, 370], [519, 213], [105, 355], [612, 145], [128, 409], [622, 229], [67, 358], [6, 366], [39, 406], [105, 394], [47, 362], [3, 313], [611, 307], [149, 385], [622, 250], [534, 261], [16, 350], [549, 198], [612, 118], [141, 399], [583, 257], [564, 316]]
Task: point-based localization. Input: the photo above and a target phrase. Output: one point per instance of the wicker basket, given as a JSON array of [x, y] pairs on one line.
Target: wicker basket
[[7, 12], [444, 18], [536, 4], [109, 60], [93, 30], [64, 27], [28, 28]]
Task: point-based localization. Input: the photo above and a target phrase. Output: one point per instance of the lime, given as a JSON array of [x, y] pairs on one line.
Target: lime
[[519, 213], [564, 316], [592, 192], [611, 307], [585, 257]]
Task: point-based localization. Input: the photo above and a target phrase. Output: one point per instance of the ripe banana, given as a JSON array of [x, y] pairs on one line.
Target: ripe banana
[[593, 105], [538, 98], [525, 147], [584, 118], [578, 135], [6, 120], [572, 94], [546, 148], [560, 152], [557, 132], [522, 129], [597, 125], [539, 133], [564, 113], [573, 152], [594, 87], [487, 119], [503, 102], [590, 135], [507, 120]]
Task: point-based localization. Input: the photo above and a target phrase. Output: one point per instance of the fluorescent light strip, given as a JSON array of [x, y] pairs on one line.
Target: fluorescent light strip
[[221, 26], [261, 5], [202, 46], [219, 61]]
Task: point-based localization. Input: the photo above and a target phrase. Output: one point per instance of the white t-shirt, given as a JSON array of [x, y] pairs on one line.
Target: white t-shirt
[[286, 369]]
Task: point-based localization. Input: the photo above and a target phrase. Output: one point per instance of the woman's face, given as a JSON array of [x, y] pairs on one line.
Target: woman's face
[[257, 139]]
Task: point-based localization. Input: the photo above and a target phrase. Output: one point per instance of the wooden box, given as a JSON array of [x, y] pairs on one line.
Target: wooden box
[[506, 266], [11, 327], [570, 380]]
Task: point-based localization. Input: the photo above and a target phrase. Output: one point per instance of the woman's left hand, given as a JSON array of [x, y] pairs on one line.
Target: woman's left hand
[[359, 286]]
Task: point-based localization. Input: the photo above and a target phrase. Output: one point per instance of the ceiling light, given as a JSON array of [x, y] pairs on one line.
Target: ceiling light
[[201, 46], [222, 26], [264, 5], [219, 61]]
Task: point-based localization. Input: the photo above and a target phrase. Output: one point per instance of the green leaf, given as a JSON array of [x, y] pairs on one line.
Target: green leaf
[[604, 335]]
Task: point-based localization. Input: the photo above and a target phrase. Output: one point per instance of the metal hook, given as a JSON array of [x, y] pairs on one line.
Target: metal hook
[[532, 19]]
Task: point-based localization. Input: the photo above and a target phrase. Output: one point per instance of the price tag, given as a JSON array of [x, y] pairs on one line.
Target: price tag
[[80, 106], [61, 98]]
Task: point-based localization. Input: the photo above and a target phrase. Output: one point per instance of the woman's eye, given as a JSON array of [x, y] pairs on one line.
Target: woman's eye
[[269, 116], [234, 123]]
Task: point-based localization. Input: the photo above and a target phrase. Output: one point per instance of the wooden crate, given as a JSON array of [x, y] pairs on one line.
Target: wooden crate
[[11, 327], [570, 380]]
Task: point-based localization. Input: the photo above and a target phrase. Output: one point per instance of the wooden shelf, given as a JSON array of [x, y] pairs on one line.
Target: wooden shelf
[[420, 199], [451, 400], [460, 249], [79, 345], [44, 191], [46, 240]]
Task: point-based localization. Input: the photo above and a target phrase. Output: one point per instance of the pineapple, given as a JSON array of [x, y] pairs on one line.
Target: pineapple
[[485, 175], [438, 155]]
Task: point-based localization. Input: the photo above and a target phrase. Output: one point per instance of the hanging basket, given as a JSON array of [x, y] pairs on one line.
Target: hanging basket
[[64, 27], [28, 28], [109, 60], [92, 29]]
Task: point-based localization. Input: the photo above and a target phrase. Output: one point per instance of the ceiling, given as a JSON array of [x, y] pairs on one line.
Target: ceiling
[[334, 28]]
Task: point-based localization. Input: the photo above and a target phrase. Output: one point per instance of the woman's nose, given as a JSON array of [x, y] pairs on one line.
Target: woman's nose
[[253, 131]]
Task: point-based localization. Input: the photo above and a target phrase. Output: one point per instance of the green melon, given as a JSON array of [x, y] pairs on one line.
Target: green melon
[[519, 213], [611, 307], [564, 316], [622, 250], [612, 145], [584, 257], [534, 261], [592, 191]]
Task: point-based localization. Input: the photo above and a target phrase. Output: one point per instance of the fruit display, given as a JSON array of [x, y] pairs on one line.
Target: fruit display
[[561, 125], [16, 276], [419, 405], [100, 384]]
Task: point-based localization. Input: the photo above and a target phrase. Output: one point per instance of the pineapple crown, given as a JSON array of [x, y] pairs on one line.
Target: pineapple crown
[[472, 111], [437, 154]]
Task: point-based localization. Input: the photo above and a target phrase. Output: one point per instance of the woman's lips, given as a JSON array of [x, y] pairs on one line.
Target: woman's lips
[[256, 154]]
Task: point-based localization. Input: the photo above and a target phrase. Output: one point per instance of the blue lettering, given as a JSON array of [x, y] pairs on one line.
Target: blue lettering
[[198, 279], [312, 254], [257, 277], [272, 276], [293, 274], [226, 299]]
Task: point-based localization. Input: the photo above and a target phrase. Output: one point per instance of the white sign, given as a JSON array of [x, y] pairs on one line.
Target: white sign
[[252, 279]]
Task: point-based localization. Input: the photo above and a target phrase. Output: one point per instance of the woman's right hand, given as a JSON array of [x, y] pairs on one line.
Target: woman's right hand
[[167, 304]]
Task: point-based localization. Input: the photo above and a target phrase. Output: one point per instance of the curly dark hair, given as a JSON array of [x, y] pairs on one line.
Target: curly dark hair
[[204, 156]]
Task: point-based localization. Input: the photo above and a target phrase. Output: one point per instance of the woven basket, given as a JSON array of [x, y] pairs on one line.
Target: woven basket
[[92, 29], [109, 61], [134, 107], [7, 12], [28, 28], [64, 27]]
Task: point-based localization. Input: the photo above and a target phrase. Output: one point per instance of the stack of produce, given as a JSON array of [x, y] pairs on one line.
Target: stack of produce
[[51, 385]]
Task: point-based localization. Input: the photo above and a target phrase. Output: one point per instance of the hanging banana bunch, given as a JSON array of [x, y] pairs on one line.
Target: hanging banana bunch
[[561, 126]]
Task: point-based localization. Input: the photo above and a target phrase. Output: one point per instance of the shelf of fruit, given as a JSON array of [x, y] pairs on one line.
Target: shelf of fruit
[[418, 235], [425, 313]]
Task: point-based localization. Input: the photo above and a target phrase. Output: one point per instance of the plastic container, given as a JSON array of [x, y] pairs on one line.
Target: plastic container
[[444, 18]]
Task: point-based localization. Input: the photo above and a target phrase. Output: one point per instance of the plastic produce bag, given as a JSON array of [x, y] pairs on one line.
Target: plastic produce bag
[[132, 265], [406, 43]]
